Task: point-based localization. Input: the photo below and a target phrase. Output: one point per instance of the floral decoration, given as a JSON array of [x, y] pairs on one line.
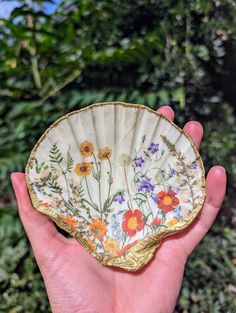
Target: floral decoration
[[111, 217], [133, 222]]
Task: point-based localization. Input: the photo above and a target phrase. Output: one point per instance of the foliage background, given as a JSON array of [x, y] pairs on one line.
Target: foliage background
[[153, 52]]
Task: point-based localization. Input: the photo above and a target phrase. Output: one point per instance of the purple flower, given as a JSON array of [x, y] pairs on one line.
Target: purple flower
[[139, 162], [119, 198], [145, 185], [172, 172], [154, 197], [194, 165], [178, 213], [153, 148]]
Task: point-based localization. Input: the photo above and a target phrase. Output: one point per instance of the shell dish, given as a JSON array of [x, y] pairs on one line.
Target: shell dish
[[118, 177]]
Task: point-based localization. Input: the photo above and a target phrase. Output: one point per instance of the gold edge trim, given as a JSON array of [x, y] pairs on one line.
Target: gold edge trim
[[151, 241]]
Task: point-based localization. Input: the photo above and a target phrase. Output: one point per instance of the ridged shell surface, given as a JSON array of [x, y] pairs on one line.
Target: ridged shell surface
[[118, 177]]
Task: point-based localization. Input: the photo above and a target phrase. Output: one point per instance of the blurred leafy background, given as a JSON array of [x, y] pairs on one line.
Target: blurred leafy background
[[58, 56]]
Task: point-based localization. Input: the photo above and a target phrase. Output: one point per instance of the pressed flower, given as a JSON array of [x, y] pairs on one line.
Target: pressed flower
[[139, 162], [98, 228], [133, 222], [167, 200], [45, 175], [154, 197], [70, 221], [104, 153], [156, 221], [91, 244], [111, 246], [172, 222], [145, 185], [119, 198], [153, 148], [178, 212], [46, 204], [124, 159], [122, 251], [86, 149], [83, 169]]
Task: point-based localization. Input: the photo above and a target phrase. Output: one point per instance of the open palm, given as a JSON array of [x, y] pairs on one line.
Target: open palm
[[76, 282]]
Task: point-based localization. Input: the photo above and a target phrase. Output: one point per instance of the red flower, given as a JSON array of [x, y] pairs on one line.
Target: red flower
[[167, 200], [122, 251], [156, 221], [133, 222]]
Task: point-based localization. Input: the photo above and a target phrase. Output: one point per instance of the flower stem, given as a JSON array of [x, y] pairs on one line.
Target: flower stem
[[127, 186], [86, 182], [99, 184]]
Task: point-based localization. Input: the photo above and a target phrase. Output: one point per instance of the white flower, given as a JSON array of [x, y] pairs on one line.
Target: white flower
[[44, 175], [124, 159]]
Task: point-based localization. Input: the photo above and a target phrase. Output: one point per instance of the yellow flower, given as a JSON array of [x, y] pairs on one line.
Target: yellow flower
[[98, 228], [104, 153], [70, 221], [111, 246], [86, 148], [124, 159], [83, 169], [91, 244], [172, 222]]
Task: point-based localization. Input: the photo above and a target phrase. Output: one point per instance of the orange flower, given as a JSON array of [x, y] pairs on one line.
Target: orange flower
[[98, 229], [111, 246], [91, 244], [133, 222], [172, 222], [122, 251], [104, 153], [83, 169], [70, 221], [86, 148], [156, 221], [167, 200]]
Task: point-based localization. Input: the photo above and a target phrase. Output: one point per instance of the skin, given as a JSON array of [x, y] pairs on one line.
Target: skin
[[76, 282]]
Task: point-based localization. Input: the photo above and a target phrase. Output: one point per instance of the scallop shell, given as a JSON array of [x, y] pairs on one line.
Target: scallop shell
[[118, 177]]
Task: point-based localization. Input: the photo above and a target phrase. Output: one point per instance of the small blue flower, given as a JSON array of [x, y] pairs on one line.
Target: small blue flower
[[194, 165], [139, 162], [154, 197], [172, 172], [119, 198], [178, 213], [153, 148], [115, 227], [145, 185]]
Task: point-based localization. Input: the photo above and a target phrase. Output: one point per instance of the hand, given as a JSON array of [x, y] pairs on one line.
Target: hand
[[76, 282]]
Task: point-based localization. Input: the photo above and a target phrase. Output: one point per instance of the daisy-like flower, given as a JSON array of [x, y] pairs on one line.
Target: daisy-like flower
[[98, 228], [133, 222], [167, 200], [70, 221], [83, 169], [86, 149], [111, 246], [104, 153]]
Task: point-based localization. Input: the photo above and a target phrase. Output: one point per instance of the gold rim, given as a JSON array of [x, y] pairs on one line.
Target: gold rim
[[140, 253]]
